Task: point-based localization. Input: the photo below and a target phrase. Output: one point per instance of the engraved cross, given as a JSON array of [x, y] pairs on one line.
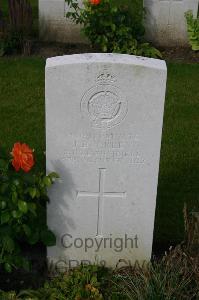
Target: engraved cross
[[101, 194]]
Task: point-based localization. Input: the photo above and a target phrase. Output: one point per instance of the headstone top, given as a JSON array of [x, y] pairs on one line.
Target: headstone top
[[106, 58]]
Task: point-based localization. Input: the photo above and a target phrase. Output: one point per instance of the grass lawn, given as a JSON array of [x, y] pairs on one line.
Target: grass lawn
[[22, 104], [179, 164], [22, 118]]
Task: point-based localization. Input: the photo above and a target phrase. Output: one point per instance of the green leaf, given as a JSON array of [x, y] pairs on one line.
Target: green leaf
[[3, 204], [8, 244], [32, 208], [53, 175], [93, 280], [48, 238], [47, 181], [16, 182], [38, 193], [32, 192], [27, 230], [8, 267], [14, 196], [16, 214], [5, 217], [23, 207], [113, 27]]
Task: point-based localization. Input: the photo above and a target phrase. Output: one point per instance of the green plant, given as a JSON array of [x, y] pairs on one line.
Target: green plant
[[82, 283], [113, 25], [172, 278], [193, 30], [23, 198]]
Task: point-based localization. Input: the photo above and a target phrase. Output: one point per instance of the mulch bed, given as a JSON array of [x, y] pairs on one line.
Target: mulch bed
[[185, 55], [46, 50]]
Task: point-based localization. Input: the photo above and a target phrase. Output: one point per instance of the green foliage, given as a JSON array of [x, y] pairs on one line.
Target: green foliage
[[23, 198], [193, 30], [113, 26], [81, 283], [174, 277], [85, 282], [8, 295]]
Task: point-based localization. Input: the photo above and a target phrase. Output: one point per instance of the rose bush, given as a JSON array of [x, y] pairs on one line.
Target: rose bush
[[23, 198], [95, 2], [113, 25]]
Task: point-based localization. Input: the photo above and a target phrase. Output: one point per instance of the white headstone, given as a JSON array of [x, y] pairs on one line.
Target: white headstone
[[53, 24], [104, 115], [165, 21]]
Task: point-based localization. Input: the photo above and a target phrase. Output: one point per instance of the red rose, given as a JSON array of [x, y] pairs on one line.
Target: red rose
[[95, 2], [22, 157]]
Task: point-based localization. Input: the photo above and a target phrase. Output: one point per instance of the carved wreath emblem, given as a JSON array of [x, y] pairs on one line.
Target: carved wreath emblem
[[104, 104]]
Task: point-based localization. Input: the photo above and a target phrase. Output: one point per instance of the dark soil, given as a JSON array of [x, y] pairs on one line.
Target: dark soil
[[186, 55], [45, 50]]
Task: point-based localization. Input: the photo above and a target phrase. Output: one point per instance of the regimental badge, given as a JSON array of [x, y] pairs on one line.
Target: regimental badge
[[104, 104]]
